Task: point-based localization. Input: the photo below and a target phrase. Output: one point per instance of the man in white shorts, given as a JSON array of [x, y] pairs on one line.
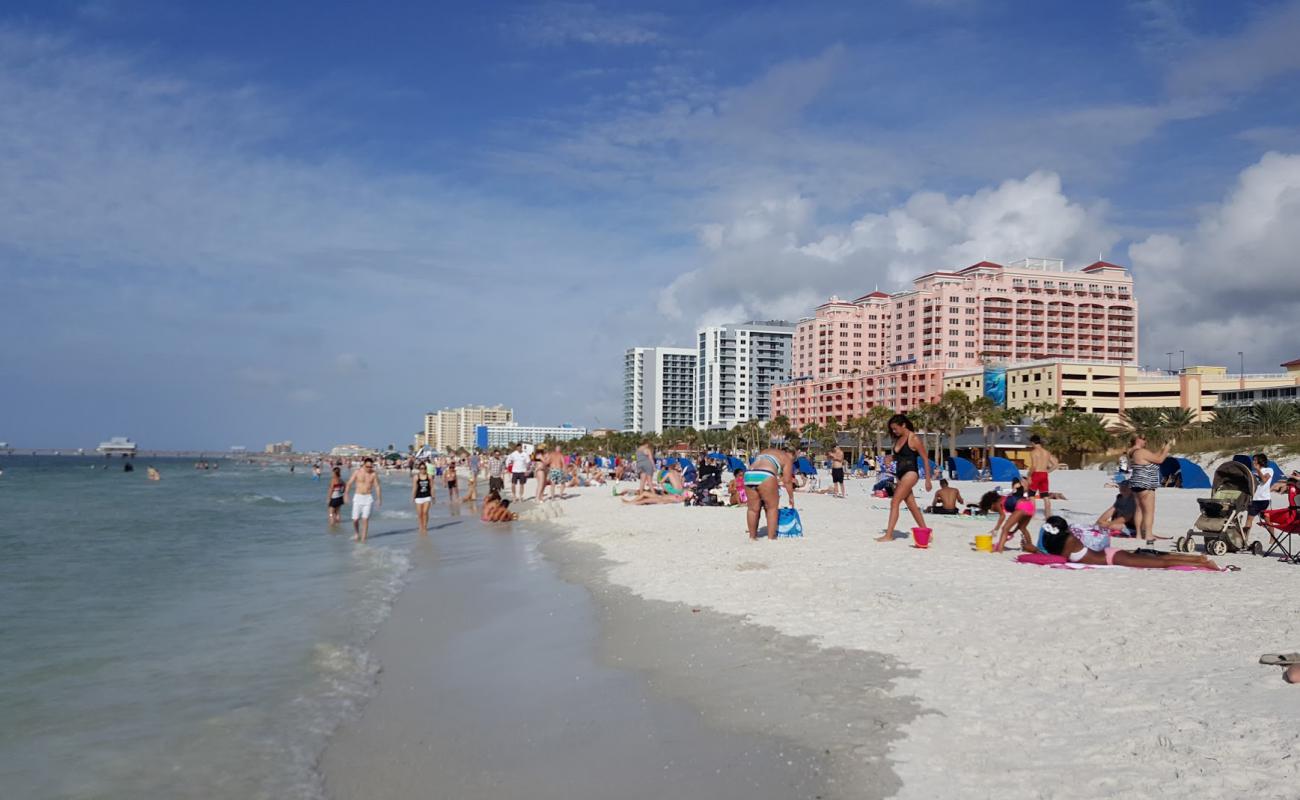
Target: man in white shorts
[[366, 494]]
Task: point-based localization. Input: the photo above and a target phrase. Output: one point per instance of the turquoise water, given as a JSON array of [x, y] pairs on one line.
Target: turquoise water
[[198, 637]]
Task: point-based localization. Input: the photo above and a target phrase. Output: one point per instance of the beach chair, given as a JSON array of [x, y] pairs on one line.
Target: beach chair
[[1282, 542]]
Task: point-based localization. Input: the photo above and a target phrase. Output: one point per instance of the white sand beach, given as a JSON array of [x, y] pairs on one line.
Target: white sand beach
[[1034, 682]]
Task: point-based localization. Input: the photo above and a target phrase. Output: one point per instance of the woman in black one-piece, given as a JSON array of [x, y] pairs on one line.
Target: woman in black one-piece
[[908, 448]]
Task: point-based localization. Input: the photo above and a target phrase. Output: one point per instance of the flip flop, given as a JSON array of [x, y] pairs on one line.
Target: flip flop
[[1280, 659]]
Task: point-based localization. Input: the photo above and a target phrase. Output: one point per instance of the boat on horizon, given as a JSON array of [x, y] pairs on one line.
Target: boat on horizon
[[117, 444]]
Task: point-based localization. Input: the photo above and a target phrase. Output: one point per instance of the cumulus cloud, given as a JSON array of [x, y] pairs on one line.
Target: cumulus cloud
[[1230, 284], [774, 260]]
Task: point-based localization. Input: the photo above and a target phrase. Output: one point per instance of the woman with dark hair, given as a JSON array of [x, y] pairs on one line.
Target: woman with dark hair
[[1092, 546], [1144, 482], [907, 448]]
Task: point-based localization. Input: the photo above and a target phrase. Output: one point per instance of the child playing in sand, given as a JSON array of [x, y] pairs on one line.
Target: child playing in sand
[[1021, 509]]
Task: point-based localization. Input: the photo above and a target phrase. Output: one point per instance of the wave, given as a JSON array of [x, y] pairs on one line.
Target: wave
[[264, 499]]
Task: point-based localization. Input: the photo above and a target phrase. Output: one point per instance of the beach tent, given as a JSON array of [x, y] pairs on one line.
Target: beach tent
[[1002, 469], [1278, 474], [718, 457], [1192, 477], [963, 469], [734, 463], [804, 467]]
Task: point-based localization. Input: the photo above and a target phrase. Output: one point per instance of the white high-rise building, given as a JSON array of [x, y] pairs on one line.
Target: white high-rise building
[[736, 368], [658, 389], [454, 428]]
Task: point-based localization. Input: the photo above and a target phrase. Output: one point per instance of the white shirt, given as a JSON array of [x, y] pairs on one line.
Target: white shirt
[[1264, 488], [517, 462]]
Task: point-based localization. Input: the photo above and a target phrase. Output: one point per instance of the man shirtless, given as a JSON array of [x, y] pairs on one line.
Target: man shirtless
[[366, 494], [837, 471], [947, 500], [1041, 462], [556, 477]]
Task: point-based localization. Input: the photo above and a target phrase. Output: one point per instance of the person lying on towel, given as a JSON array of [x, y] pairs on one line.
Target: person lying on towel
[[1091, 545]]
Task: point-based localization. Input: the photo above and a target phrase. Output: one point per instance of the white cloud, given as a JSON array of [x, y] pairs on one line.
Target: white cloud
[[1231, 284], [779, 262], [1263, 50], [585, 23]]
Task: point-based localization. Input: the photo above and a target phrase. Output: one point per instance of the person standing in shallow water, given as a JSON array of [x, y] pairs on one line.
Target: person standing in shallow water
[[366, 494], [907, 449], [337, 489], [422, 496]]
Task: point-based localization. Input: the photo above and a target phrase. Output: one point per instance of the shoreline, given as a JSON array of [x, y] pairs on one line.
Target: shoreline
[[1035, 682]]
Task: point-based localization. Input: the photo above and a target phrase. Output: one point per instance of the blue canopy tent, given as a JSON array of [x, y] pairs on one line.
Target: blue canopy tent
[[1278, 474], [963, 468], [1001, 469], [804, 467], [689, 473], [717, 456], [734, 463], [1190, 475]]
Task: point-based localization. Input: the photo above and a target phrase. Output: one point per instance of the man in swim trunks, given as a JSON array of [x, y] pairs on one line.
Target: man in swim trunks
[[366, 495], [947, 500], [555, 475], [837, 471], [1041, 462]]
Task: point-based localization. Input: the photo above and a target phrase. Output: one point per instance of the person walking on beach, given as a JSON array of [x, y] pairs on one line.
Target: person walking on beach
[[1144, 480], [366, 495], [337, 489], [1041, 462], [539, 471], [517, 463], [494, 465], [837, 471], [645, 464], [767, 472], [449, 475], [422, 496], [1263, 498], [907, 449], [555, 472], [473, 464]]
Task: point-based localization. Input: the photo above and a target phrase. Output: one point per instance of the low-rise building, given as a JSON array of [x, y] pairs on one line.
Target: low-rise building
[[1282, 388], [488, 437], [1108, 389], [279, 448]]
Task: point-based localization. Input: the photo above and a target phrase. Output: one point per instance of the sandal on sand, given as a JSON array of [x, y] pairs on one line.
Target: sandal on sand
[[1231, 568], [1280, 659]]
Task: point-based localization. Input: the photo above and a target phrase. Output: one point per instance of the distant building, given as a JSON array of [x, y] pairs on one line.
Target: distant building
[[279, 448], [1109, 389], [487, 437], [117, 445], [454, 428], [601, 433], [658, 389], [1264, 388], [737, 367], [350, 451], [238, 448]]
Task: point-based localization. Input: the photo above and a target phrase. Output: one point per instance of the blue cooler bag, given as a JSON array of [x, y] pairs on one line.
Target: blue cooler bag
[[788, 523]]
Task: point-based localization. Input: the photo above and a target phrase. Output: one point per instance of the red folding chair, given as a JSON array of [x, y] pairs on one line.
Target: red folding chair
[[1282, 529]]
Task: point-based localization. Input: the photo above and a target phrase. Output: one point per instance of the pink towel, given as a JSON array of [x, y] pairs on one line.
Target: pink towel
[[1061, 562]]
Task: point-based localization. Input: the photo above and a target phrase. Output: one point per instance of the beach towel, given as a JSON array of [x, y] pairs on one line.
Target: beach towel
[[788, 523], [1061, 562]]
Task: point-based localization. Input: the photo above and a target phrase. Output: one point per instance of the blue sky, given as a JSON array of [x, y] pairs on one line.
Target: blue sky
[[240, 222]]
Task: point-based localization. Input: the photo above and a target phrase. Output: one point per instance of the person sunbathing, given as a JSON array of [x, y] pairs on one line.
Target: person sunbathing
[[674, 487], [1092, 546], [947, 500]]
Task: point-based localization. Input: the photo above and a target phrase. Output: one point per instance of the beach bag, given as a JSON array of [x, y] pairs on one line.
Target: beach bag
[[788, 523]]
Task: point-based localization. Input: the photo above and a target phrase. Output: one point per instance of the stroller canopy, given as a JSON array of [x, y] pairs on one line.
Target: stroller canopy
[[1190, 475], [963, 469], [1235, 475], [1248, 461]]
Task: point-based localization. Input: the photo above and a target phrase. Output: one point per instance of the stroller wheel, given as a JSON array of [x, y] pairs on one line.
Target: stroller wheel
[[1216, 547], [1257, 548], [1178, 544]]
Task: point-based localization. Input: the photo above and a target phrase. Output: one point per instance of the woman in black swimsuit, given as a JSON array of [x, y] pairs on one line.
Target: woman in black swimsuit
[[422, 494], [337, 489], [907, 449]]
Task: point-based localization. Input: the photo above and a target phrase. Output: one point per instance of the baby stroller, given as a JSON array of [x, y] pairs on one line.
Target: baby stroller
[[1223, 514]]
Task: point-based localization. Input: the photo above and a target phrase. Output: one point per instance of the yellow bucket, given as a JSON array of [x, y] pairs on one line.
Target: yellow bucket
[[984, 542]]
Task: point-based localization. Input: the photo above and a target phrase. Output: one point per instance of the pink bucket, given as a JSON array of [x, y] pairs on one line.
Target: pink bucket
[[922, 537]]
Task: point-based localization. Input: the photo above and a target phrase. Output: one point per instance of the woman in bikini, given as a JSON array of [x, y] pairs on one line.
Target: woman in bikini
[[1144, 481], [768, 470], [337, 489], [1092, 546], [907, 449]]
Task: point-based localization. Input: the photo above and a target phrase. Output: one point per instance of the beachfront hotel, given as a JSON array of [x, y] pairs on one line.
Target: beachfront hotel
[[737, 368], [455, 428], [1109, 389], [658, 389], [505, 435], [896, 349]]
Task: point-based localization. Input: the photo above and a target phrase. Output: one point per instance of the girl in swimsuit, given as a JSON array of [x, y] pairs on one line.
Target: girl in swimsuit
[[907, 449], [337, 488], [768, 470], [422, 496]]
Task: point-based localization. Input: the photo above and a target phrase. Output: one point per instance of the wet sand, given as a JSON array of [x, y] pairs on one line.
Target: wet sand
[[511, 668]]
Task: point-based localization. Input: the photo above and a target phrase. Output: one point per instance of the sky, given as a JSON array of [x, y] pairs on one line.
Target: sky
[[240, 222]]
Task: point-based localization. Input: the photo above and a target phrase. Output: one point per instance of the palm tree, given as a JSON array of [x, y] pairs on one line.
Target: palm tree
[[1178, 421], [780, 427], [1274, 418], [1073, 434], [810, 432], [927, 418], [1229, 421], [992, 418], [830, 433], [878, 421], [1149, 423], [956, 412]]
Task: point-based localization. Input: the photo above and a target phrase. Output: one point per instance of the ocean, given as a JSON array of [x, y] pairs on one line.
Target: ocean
[[200, 636]]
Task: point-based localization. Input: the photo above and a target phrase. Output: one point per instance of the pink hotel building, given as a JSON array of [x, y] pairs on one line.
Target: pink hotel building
[[893, 349]]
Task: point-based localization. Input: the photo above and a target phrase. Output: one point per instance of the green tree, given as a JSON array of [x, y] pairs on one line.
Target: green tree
[[928, 419], [1178, 422], [955, 413], [1149, 423], [779, 427], [878, 422], [1229, 421], [1274, 418], [1073, 434], [993, 419]]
